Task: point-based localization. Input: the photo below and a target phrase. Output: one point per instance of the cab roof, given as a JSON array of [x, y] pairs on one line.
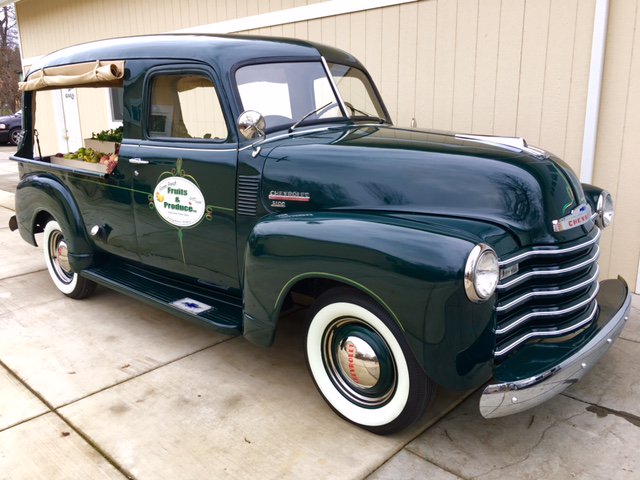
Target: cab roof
[[222, 50]]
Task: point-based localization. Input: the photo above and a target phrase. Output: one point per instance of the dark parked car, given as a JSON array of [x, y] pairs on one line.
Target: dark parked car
[[11, 128]]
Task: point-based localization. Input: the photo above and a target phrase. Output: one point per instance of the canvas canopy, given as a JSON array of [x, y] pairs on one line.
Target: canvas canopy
[[90, 74]]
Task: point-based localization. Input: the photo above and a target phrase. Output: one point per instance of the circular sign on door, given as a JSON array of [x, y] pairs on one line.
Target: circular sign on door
[[179, 201]]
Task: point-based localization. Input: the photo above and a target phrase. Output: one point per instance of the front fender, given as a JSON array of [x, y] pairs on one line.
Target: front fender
[[415, 271], [40, 193]]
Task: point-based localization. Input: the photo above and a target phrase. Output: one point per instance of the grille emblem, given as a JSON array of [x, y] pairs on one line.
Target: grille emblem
[[506, 272], [578, 216]]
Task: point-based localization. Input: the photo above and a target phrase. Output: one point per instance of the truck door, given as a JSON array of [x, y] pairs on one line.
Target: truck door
[[184, 178]]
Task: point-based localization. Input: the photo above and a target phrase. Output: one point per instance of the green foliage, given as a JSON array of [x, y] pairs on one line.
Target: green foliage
[[111, 135]]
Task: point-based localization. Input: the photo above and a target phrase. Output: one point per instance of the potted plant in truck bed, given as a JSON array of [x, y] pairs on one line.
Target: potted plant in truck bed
[[105, 141]]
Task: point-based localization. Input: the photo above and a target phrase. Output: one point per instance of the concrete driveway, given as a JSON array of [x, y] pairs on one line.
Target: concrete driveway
[[110, 388]]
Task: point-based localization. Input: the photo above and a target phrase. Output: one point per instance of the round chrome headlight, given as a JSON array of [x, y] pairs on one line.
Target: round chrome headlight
[[481, 273], [604, 209]]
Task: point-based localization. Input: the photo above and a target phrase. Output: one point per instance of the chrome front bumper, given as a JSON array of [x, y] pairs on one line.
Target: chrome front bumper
[[507, 398]]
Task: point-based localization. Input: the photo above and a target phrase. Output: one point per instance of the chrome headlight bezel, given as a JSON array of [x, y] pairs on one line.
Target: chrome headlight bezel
[[605, 209], [480, 292]]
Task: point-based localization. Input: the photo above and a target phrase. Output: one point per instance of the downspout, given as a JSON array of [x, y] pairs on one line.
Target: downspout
[[592, 115]]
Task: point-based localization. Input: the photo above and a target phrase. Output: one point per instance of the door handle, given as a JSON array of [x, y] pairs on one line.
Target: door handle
[[138, 161]]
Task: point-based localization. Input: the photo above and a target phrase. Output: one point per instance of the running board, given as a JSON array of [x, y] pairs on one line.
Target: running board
[[192, 302]]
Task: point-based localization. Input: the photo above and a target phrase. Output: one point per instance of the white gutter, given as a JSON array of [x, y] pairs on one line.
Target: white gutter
[[291, 15], [592, 115]]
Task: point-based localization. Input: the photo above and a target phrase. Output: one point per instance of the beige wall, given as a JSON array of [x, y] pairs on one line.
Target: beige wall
[[48, 25], [504, 67], [618, 149], [485, 66]]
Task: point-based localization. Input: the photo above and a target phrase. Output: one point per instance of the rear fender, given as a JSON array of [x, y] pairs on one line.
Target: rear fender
[[41, 194]]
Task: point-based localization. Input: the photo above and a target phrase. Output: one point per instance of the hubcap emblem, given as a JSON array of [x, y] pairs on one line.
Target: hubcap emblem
[[358, 362], [63, 256]]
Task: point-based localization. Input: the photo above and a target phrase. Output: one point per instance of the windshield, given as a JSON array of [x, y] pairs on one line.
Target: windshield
[[356, 91], [292, 93]]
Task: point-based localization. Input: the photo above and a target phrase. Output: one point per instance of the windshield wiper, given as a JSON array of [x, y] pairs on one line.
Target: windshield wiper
[[365, 114], [292, 127]]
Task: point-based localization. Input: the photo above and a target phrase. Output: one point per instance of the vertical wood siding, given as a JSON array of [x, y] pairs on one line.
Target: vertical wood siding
[[502, 67], [617, 166], [48, 25]]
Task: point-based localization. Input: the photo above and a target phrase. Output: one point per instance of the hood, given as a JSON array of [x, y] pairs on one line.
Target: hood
[[394, 170]]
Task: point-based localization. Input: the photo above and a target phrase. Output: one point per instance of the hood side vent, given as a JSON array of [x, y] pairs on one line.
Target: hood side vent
[[248, 187]]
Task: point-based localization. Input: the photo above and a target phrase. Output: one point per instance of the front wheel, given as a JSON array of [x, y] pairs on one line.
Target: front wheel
[[56, 256], [362, 365]]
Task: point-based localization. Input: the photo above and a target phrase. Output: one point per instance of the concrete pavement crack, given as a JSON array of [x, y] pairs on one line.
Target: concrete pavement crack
[[79, 432], [46, 302], [24, 421], [533, 447], [602, 411], [415, 454], [146, 372], [406, 444], [23, 274]]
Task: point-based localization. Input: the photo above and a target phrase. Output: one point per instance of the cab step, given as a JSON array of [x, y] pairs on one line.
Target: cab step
[[187, 300]]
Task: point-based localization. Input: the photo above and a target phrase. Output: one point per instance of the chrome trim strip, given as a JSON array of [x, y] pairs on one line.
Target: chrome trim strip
[[138, 161], [515, 144], [295, 133], [548, 313], [551, 252], [343, 107], [557, 271], [518, 144], [545, 293], [506, 398], [167, 147], [548, 333]]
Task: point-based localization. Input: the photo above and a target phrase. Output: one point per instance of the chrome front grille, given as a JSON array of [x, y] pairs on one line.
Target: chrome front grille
[[552, 295]]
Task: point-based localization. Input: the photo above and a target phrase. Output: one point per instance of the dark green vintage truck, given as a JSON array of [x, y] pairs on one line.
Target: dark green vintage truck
[[255, 173]]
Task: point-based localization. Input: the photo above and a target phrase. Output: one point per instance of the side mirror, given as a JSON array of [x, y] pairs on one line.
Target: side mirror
[[251, 124]]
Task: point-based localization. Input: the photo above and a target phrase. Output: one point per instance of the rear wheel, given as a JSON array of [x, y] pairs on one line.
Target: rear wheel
[[362, 365], [56, 256], [14, 136]]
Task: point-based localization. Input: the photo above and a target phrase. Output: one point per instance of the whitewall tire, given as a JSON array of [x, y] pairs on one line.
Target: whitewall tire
[[362, 365], [55, 251]]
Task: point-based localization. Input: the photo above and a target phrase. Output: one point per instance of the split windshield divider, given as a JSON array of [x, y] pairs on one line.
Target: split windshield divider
[[335, 88]]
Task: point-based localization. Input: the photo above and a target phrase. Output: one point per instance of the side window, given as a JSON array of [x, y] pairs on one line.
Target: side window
[[116, 98], [185, 106]]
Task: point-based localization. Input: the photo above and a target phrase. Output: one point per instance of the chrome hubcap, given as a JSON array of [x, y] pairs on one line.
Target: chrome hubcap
[[359, 362], [59, 254]]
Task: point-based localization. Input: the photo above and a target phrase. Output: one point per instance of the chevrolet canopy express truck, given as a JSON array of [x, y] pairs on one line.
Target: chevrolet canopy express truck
[[254, 173]]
